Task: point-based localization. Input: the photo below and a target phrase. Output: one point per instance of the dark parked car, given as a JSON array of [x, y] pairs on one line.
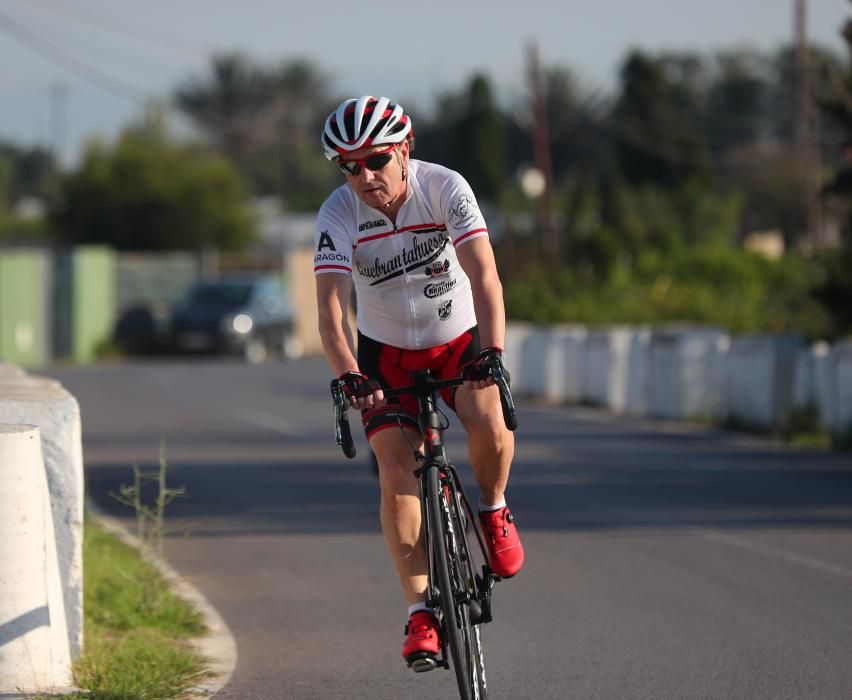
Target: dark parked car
[[248, 316]]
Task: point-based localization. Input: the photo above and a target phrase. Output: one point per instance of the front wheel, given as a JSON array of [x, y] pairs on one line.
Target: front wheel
[[455, 587], [470, 610]]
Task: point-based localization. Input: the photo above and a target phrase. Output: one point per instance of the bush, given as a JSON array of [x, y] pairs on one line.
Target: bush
[[739, 291]]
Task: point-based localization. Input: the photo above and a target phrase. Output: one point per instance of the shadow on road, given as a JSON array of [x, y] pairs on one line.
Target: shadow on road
[[589, 479]]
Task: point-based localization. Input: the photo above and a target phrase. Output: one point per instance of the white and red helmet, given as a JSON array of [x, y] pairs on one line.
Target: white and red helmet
[[363, 122]]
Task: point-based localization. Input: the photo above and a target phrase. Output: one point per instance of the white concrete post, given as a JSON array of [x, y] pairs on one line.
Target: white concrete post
[[841, 356], [760, 378], [516, 334], [34, 652], [535, 349], [607, 357], [812, 382], [685, 381], [566, 364], [637, 390], [29, 400]]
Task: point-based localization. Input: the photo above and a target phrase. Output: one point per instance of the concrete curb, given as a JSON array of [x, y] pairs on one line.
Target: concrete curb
[[219, 646]]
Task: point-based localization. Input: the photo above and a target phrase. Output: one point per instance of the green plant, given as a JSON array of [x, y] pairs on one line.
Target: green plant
[[150, 519], [804, 429], [136, 629]]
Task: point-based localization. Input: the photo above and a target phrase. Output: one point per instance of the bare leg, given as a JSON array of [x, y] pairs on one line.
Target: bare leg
[[491, 446], [400, 509]]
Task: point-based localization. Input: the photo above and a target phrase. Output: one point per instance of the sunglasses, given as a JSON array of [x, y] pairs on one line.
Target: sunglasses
[[376, 161]]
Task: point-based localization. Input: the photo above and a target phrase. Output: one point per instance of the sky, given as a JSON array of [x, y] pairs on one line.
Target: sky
[[74, 69]]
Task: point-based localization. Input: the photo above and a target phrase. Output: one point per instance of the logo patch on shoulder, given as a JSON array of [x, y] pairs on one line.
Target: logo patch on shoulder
[[325, 241], [445, 310], [462, 212]]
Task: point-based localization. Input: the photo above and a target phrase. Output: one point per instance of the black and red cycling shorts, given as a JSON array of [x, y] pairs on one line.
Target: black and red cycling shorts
[[392, 368]]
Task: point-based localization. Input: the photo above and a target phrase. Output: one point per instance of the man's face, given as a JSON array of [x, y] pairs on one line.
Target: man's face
[[378, 188]]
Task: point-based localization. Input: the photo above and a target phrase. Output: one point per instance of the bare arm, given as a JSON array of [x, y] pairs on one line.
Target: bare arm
[[333, 294], [477, 260]]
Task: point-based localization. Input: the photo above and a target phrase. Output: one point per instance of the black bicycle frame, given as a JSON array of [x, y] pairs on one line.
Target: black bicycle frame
[[468, 596]]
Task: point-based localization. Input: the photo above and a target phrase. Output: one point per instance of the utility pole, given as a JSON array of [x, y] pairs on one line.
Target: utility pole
[[541, 149], [807, 146], [58, 101]]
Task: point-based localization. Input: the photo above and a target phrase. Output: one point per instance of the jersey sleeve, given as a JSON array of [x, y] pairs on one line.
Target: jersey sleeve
[[462, 215], [333, 245]]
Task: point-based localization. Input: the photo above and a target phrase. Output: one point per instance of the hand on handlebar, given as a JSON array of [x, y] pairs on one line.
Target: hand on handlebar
[[362, 391], [478, 372]]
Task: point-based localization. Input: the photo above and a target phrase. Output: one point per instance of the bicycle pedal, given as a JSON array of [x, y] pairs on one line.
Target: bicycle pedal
[[427, 663]]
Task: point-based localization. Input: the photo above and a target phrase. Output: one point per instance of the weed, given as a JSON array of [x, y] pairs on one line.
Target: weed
[[150, 521]]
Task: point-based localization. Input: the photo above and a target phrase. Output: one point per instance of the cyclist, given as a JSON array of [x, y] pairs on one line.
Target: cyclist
[[409, 235]]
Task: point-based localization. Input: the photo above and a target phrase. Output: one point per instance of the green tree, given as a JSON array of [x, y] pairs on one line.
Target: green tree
[[152, 192], [25, 173], [737, 101], [29, 172], [265, 120], [658, 140], [834, 291], [481, 142], [576, 146]]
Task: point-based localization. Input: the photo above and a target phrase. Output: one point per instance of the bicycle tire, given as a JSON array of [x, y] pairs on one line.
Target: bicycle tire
[[466, 579], [439, 536]]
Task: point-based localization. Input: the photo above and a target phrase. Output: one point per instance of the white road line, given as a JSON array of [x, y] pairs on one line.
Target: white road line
[[252, 416], [270, 421], [778, 553]]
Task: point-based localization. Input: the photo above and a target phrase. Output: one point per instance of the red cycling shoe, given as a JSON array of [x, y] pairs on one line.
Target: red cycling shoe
[[505, 551], [422, 641]]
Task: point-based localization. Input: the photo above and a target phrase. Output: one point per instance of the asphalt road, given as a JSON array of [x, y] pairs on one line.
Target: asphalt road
[[663, 561]]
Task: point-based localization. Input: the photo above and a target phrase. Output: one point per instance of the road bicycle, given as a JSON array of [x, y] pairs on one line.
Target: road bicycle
[[459, 591]]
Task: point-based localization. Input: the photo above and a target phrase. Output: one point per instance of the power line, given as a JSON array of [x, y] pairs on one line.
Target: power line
[[68, 62], [139, 33], [249, 127]]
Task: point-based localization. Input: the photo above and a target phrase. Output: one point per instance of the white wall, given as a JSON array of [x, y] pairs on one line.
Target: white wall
[[683, 372]]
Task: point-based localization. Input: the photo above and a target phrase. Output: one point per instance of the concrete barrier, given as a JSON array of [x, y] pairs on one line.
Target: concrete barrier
[[759, 379], [813, 385], [684, 372], [565, 364], [607, 358], [687, 372], [533, 375], [637, 383], [35, 656], [44, 403], [516, 335], [552, 362], [841, 359]]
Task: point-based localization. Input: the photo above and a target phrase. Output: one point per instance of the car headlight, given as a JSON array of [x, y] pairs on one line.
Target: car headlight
[[241, 324]]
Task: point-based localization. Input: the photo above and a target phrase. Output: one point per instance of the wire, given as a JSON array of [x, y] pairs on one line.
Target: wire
[[252, 128], [62, 59], [137, 32]]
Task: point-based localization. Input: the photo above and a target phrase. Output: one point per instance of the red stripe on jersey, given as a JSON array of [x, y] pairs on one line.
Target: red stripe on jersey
[[374, 237], [332, 267], [416, 228], [469, 234]]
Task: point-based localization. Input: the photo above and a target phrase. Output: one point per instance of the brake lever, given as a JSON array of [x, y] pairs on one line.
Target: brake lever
[[342, 431], [501, 378]]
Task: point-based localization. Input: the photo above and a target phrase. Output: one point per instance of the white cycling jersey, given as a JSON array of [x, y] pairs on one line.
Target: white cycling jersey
[[410, 288]]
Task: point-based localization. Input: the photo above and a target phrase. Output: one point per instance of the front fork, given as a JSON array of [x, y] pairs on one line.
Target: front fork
[[483, 585]]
